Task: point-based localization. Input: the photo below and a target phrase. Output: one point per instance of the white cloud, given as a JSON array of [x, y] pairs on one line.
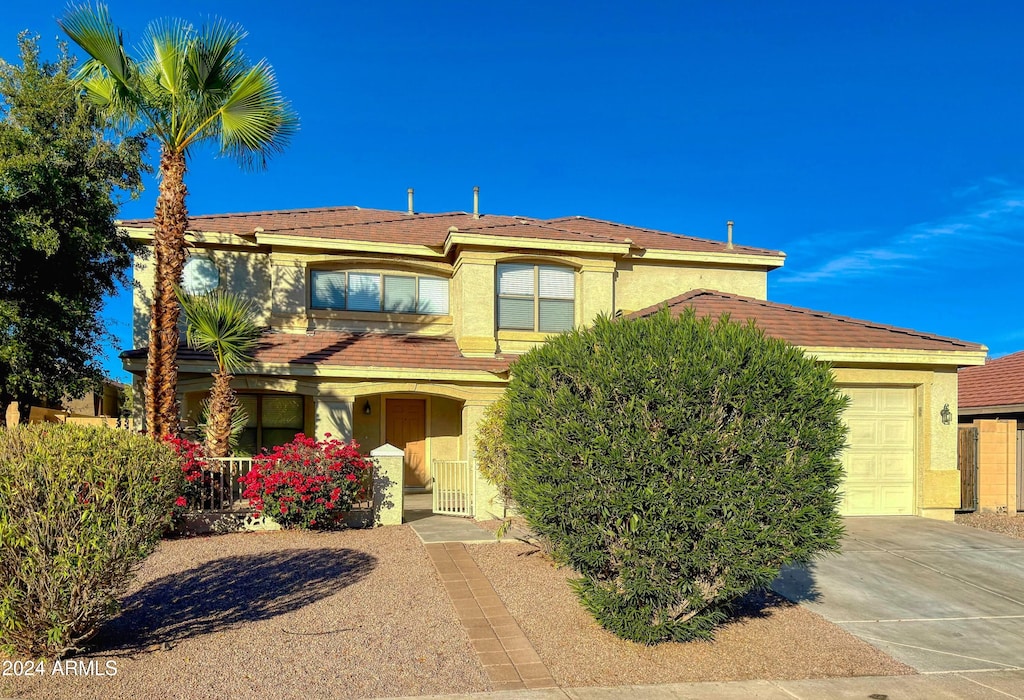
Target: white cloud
[[983, 231]]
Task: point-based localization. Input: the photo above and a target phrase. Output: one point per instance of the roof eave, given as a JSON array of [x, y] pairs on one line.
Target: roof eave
[[287, 369], [902, 356], [465, 238]]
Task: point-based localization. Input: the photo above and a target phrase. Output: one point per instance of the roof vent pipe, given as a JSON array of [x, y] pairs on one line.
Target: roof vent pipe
[[728, 225], [410, 201], [476, 202]]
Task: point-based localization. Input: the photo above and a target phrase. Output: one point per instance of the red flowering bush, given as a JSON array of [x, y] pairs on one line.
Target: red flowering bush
[[308, 483], [193, 461]]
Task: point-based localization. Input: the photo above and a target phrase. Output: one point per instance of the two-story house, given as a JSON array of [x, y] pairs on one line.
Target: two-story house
[[399, 327]]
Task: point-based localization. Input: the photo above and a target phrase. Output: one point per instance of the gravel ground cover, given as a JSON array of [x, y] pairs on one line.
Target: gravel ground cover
[[1012, 525], [351, 614], [773, 640]]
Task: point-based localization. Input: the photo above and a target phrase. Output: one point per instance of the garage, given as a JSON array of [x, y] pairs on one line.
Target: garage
[[880, 457]]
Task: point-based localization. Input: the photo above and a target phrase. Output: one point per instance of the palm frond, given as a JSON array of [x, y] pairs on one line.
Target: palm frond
[[213, 62], [255, 120], [221, 323], [166, 44], [94, 31]]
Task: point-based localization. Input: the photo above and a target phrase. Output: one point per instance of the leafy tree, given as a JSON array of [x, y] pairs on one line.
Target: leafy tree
[[60, 166], [187, 87], [223, 324], [676, 464]]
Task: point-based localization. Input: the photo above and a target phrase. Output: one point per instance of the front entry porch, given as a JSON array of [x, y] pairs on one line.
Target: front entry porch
[[419, 514]]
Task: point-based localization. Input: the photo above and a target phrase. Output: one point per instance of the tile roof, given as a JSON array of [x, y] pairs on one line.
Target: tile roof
[[382, 226], [336, 349], [997, 383], [805, 327]]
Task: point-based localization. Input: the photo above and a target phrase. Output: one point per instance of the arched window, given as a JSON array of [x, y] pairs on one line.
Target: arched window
[[536, 297], [340, 290]]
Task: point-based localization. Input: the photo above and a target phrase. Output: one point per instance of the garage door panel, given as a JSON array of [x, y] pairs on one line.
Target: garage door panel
[[862, 400], [894, 500], [860, 501], [863, 431], [897, 467], [898, 433], [861, 467], [898, 401], [880, 456]]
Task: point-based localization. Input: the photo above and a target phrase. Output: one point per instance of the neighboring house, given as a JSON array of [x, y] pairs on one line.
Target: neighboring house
[[106, 401], [991, 408], [392, 327]]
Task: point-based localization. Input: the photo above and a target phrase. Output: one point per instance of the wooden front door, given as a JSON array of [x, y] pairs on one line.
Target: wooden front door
[[406, 428]]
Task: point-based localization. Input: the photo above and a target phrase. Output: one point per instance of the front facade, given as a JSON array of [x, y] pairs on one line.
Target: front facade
[[399, 328]]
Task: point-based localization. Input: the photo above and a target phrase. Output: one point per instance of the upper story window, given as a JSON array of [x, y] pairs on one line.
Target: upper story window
[[339, 290], [536, 297]]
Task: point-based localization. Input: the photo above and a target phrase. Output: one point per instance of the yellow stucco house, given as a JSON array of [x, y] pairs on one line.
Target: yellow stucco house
[[399, 327]]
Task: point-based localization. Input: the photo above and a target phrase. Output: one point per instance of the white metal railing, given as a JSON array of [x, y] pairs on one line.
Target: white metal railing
[[223, 491], [454, 487]]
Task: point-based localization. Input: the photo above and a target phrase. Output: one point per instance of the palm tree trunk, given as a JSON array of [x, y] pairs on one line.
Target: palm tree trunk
[[219, 415], [170, 222]]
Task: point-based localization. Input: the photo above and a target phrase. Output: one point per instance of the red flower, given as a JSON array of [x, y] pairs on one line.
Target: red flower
[[181, 502]]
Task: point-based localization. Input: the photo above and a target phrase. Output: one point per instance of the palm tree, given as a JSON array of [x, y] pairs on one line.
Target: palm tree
[[221, 323], [187, 87]]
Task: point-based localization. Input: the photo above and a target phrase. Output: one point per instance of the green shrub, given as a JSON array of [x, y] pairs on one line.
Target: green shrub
[[491, 448], [80, 508], [676, 464]]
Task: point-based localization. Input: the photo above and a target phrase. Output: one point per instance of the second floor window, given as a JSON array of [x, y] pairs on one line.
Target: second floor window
[[536, 297], [338, 290]]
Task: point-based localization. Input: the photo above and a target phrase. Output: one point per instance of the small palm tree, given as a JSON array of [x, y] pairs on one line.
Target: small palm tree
[[187, 87], [221, 323]]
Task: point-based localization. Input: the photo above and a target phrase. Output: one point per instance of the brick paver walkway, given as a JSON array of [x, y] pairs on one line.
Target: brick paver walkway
[[506, 654]]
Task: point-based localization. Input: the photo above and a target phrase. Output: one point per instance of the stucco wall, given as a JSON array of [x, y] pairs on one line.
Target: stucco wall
[[997, 465], [244, 273], [640, 284]]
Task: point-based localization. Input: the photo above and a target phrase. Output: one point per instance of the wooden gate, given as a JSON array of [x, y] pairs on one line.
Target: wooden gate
[[967, 463], [454, 487]]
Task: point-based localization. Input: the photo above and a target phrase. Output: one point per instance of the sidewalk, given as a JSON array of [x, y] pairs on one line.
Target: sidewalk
[[999, 685]]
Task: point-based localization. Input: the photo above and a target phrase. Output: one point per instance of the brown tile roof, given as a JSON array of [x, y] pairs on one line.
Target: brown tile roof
[[382, 226], [334, 349], [805, 327], [996, 383], [649, 238]]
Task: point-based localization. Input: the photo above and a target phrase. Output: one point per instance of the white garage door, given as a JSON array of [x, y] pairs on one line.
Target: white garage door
[[879, 461]]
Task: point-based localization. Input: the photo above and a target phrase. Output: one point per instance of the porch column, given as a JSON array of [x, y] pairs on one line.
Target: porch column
[[334, 416], [388, 473], [486, 505]]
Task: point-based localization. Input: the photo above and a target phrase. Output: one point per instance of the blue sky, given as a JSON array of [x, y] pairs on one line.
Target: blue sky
[[879, 144]]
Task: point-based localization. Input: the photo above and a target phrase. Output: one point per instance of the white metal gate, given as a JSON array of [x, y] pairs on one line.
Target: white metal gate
[[454, 487]]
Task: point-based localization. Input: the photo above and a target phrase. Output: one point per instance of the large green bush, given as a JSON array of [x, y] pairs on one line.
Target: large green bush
[[676, 464], [491, 448], [80, 508]]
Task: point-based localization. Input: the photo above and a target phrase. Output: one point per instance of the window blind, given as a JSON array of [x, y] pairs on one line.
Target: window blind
[[328, 290], [433, 297], [363, 292], [555, 316], [515, 313], [399, 294], [556, 282], [515, 280]]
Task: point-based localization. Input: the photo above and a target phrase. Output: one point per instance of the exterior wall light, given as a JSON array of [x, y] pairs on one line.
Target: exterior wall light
[[946, 414], [366, 407]]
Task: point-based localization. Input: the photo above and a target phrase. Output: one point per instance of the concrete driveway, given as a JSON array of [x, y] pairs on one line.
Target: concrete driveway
[[937, 596]]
